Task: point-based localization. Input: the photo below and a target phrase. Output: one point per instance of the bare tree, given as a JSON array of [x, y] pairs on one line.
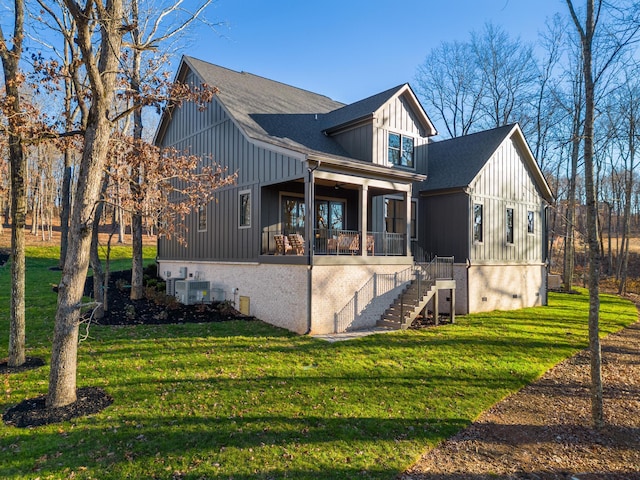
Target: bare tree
[[149, 30], [450, 83], [625, 129], [74, 103], [15, 121], [101, 68], [509, 76], [587, 27], [575, 109], [486, 82]]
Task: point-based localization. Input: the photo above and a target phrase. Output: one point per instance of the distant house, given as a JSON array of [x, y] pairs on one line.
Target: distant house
[[318, 235]]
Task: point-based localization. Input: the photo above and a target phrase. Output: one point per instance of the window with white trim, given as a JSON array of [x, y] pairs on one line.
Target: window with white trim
[[477, 222], [400, 150], [509, 226], [531, 222], [202, 218], [244, 201]]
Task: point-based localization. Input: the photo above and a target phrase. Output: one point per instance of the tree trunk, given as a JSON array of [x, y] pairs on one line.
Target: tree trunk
[[586, 40], [137, 268], [101, 73], [137, 281], [62, 379], [18, 165], [66, 206], [569, 240], [17, 330], [96, 263]]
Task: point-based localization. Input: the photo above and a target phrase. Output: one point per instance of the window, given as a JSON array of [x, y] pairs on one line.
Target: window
[[244, 220], [530, 222], [293, 213], [202, 218], [400, 150], [330, 214], [477, 222], [394, 216], [510, 225]]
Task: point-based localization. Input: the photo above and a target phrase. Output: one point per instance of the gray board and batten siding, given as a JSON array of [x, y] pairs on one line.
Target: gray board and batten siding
[[505, 183], [212, 134], [495, 169]]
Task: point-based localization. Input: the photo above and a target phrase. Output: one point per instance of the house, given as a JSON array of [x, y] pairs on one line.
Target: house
[[318, 233], [484, 203]]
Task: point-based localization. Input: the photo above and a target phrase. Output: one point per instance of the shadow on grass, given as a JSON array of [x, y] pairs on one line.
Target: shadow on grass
[[244, 447]]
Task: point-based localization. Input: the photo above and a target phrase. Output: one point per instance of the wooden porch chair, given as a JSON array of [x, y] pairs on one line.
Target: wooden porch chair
[[354, 246], [371, 243], [348, 243], [297, 243], [282, 244]]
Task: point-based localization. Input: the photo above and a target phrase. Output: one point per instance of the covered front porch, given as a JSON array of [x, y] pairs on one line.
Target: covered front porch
[[352, 216]]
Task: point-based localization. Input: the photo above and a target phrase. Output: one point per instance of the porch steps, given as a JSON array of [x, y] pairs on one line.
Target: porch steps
[[404, 310]]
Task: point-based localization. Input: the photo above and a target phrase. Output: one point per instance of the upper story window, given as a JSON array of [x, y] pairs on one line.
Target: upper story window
[[400, 150]]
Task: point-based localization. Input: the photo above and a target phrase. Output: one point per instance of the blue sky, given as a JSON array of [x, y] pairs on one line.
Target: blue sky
[[350, 49]]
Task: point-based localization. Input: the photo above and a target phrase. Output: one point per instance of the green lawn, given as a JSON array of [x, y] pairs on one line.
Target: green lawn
[[245, 400]]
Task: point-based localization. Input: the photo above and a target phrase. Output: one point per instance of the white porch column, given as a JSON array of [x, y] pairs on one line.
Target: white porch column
[[364, 213]]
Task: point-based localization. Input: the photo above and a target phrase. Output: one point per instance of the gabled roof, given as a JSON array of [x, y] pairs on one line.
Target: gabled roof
[[279, 114], [455, 163], [366, 108]]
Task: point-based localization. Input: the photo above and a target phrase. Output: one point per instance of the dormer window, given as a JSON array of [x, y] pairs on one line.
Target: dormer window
[[400, 150]]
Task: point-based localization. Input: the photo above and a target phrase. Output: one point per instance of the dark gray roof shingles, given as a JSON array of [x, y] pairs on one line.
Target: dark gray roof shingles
[[278, 113], [454, 163]]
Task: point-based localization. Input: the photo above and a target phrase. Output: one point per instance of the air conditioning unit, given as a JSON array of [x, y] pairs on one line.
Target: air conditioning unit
[[191, 292]]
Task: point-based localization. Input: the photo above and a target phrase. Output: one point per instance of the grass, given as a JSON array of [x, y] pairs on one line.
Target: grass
[[246, 400]]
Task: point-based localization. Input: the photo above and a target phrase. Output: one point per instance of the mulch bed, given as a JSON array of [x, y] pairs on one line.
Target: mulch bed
[[29, 364], [4, 257], [122, 311], [34, 412]]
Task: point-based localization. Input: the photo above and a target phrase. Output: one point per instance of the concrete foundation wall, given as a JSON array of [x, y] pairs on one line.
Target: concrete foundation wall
[[504, 287], [348, 297], [462, 295], [278, 293]]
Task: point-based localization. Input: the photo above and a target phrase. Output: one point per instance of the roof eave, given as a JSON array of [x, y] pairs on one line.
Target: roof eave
[[350, 124], [366, 167], [181, 73], [443, 191]]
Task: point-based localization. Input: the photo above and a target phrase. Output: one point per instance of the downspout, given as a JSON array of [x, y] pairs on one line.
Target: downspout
[[311, 221], [467, 190]]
